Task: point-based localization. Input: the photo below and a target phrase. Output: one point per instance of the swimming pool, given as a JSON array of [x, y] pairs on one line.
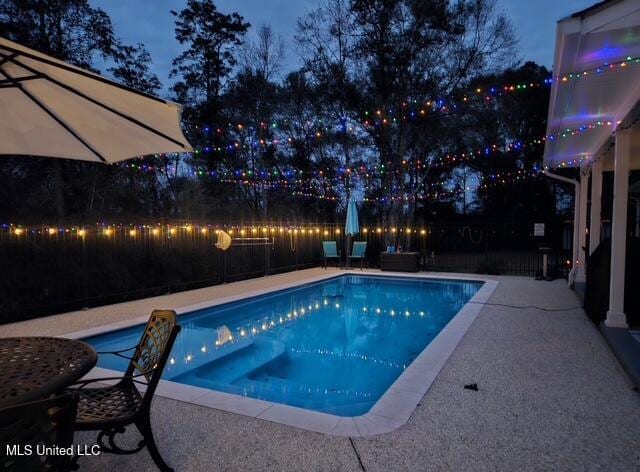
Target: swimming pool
[[333, 346]]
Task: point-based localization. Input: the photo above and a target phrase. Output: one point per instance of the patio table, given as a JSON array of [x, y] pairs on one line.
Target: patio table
[[36, 367]]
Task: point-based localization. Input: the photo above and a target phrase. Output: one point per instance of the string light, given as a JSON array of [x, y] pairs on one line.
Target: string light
[[595, 71], [248, 137], [569, 132], [290, 176], [208, 231]]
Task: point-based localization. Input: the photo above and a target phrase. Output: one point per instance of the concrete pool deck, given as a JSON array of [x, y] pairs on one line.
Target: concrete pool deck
[[551, 397]]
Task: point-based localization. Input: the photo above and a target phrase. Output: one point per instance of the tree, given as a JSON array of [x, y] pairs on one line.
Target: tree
[[264, 56], [212, 39], [412, 56], [384, 86], [326, 43], [133, 68], [510, 126], [252, 99], [70, 30], [309, 149]]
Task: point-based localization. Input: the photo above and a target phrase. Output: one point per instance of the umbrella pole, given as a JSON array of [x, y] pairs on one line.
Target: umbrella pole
[[347, 252]]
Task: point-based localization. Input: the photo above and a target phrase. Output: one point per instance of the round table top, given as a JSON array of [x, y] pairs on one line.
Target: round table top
[[36, 367]]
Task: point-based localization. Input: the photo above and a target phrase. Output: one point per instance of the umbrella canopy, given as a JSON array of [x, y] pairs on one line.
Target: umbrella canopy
[[352, 227], [53, 109]]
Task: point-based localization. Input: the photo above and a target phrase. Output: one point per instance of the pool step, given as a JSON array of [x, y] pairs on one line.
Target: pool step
[[196, 347], [237, 364]]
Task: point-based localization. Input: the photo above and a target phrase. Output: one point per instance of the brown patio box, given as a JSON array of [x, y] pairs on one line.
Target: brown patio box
[[400, 261]]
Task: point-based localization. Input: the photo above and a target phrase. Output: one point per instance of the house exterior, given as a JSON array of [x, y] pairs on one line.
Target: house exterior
[[594, 126]]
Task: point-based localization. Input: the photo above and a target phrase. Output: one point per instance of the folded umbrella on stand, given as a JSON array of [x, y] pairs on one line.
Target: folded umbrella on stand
[[351, 227]]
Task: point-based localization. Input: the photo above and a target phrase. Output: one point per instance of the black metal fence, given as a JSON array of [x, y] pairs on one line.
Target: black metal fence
[[52, 270], [505, 248]]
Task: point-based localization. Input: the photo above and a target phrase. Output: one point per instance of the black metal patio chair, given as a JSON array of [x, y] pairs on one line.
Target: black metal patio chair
[[26, 426], [110, 409]]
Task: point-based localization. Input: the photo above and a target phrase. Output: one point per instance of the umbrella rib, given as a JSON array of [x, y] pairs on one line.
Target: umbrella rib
[[96, 102], [7, 58], [74, 70], [52, 115], [12, 83]]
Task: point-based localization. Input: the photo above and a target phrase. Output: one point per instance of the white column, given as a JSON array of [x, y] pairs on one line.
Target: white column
[[616, 317], [596, 205], [581, 208]]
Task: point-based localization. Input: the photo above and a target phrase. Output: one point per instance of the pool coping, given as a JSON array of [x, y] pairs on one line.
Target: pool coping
[[392, 410]]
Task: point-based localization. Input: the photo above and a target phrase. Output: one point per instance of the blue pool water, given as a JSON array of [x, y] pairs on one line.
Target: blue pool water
[[334, 346]]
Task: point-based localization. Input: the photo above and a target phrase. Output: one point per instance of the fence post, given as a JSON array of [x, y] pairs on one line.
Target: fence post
[[167, 257], [266, 258], [224, 267], [85, 281]]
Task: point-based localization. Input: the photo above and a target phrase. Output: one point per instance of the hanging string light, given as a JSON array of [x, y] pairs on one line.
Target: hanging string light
[[602, 68]]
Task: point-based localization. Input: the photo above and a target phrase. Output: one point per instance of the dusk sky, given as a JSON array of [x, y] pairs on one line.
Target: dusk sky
[[150, 22]]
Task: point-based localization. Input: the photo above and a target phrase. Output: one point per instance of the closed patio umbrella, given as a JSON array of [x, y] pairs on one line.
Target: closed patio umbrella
[[52, 109], [351, 227]]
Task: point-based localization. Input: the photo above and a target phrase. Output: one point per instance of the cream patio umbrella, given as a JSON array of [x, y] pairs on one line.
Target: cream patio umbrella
[[52, 109]]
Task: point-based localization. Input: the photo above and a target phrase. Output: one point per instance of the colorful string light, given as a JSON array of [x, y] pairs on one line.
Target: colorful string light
[[604, 67]]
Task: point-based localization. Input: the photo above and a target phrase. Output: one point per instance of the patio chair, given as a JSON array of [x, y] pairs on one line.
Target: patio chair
[[358, 252], [330, 250], [47, 422], [109, 409]]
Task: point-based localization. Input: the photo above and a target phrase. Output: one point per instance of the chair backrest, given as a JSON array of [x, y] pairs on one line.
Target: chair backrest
[[47, 422], [330, 248], [359, 248], [154, 348]]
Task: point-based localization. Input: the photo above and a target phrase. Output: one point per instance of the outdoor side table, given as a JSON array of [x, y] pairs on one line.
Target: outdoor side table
[[400, 261], [36, 367]]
